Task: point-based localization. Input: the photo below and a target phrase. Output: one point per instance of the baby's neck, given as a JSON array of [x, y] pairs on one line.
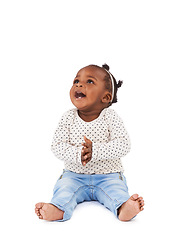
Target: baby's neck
[[89, 116]]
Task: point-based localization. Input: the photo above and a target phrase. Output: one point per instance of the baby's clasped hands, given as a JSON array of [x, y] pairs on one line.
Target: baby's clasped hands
[[86, 153]]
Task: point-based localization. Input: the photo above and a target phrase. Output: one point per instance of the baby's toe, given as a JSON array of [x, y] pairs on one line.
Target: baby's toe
[[140, 198], [134, 197], [37, 211], [141, 205], [42, 213], [39, 205]]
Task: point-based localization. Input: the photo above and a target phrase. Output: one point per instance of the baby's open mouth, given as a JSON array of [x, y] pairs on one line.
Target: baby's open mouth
[[79, 95]]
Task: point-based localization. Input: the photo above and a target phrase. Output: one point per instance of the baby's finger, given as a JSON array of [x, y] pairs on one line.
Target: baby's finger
[[88, 141], [85, 151], [87, 156], [85, 138], [84, 162], [83, 158], [83, 144]]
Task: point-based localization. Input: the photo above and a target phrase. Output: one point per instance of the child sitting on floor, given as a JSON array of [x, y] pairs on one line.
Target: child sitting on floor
[[93, 169]]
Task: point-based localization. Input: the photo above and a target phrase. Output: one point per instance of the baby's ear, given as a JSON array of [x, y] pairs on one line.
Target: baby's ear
[[107, 97]]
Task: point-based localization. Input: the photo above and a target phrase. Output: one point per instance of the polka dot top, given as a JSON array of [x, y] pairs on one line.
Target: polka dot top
[[110, 142]]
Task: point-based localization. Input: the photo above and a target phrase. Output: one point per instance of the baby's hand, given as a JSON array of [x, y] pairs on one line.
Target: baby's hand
[[86, 153]]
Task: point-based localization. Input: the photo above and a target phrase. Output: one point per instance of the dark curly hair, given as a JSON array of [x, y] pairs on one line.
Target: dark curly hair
[[108, 82]]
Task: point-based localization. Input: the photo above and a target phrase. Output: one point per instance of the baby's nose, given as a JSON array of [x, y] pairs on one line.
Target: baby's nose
[[79, 85]]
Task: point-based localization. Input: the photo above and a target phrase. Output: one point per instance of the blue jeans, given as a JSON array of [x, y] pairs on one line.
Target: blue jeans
[[72, 188]]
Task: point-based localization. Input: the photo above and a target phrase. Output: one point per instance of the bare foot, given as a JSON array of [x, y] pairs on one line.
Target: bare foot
[[131, 208], [48, 212]]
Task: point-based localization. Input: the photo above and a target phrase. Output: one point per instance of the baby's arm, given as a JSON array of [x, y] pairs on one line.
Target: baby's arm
[[119, 144], [61, 146]]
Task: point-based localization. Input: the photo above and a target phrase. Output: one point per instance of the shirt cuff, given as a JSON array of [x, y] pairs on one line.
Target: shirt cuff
[[95, 148], [78, 155]]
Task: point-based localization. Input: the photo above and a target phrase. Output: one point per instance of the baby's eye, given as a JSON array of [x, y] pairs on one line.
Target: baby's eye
[[76, 81], [90, 81]]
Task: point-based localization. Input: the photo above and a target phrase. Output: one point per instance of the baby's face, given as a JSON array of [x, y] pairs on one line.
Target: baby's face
[[88, 88]]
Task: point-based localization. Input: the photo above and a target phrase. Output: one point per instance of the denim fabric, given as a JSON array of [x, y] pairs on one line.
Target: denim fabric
[[71, 188]]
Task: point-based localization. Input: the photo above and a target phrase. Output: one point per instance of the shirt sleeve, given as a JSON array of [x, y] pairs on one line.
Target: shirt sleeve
[[61, 146], [119, 144]]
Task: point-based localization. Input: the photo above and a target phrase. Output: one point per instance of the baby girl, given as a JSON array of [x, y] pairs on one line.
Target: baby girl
[[91, 140]]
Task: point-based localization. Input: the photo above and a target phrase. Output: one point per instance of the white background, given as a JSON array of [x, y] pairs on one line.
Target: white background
[[42, 46]]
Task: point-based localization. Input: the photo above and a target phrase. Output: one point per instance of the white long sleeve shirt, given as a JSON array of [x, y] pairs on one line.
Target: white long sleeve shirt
[[110, 142]]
